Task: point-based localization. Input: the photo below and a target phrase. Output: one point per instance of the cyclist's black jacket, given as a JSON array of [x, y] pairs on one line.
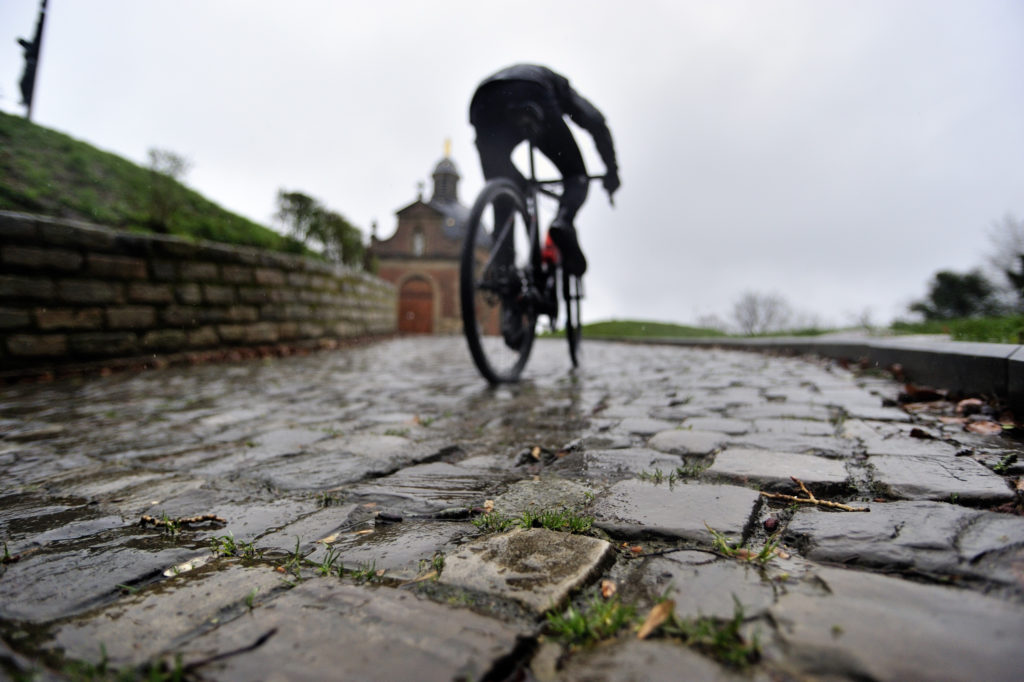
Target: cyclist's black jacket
[[565, 99]]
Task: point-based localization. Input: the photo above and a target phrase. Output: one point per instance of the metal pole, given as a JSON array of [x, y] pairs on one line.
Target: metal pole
[[32, 51]]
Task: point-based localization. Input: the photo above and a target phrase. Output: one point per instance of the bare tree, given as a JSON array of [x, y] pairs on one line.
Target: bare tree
[[759, 313], [1007, 238], [1006, 261], [167, 170]]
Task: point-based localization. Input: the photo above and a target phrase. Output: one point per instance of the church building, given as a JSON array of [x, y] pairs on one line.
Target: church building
[[422, 257]]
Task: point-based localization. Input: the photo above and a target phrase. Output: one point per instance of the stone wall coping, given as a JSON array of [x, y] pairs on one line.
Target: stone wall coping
[[994, 369], [18, 226]]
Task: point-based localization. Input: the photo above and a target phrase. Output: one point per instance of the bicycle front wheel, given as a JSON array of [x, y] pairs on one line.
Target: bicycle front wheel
[[498, 320], [572, 292]]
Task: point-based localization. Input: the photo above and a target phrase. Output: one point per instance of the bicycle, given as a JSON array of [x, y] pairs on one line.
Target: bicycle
[[508, 279]]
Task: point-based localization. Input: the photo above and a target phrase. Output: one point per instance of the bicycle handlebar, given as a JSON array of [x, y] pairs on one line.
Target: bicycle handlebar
[[542, 187], [559, 181]]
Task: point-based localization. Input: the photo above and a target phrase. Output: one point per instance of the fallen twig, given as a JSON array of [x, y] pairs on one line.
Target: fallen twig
[[811, 499], [148, 520]]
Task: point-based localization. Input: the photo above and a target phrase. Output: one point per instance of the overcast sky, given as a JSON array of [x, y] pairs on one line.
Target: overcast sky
[[837, 153]]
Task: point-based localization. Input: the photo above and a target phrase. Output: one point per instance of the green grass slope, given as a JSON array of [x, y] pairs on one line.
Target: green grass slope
[[46, 172], [624, 329]]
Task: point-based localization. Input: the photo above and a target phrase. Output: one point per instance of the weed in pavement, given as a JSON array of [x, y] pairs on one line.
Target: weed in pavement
[[597, 620], [494, 522], [367, 573], [721, 544], [722, 640], [326, 567], [658, 476]]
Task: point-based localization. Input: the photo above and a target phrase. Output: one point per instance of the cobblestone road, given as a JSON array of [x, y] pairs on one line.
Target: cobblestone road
[[347, 485]]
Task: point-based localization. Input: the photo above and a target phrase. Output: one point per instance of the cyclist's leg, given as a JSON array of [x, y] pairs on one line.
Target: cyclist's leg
[[495, 142], [558, 144]]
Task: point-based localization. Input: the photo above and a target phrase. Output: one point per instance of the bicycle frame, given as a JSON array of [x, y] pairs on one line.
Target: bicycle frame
[[513, 295], [535, 187]]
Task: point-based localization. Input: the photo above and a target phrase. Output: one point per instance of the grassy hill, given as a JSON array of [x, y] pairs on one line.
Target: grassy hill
[[46, 172], [625, 329]]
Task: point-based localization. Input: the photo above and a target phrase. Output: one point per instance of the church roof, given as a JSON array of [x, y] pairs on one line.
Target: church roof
[[445, 201]]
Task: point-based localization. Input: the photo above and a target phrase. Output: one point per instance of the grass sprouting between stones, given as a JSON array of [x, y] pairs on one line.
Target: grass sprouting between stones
[[719, 639], [562, 520], [598, 619], [721, 544]]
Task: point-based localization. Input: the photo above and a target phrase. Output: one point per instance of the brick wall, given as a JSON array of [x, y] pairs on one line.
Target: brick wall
[[72, 292]]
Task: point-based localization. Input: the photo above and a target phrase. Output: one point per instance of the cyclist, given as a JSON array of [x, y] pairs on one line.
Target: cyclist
[[527, 101]]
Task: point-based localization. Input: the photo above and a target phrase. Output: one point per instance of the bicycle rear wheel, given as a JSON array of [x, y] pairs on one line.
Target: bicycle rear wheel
[[572, 292], [497, 319]]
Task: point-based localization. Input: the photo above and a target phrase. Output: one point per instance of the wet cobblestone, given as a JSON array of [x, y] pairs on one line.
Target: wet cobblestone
[[339, 483]]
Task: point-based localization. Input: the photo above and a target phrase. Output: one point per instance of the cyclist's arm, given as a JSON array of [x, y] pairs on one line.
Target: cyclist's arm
[[588, 117]]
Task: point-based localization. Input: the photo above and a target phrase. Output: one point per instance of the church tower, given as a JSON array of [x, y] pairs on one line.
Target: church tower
[[422, 256]]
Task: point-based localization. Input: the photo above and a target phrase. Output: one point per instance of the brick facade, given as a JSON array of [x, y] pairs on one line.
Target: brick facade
[[422, 257]]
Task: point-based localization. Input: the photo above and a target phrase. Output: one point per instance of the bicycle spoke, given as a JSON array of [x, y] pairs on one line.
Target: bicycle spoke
[[506, 231], [499, 328]]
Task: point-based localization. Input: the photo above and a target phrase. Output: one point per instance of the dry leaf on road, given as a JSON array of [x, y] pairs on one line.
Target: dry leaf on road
[[984, 428], [658, 615]]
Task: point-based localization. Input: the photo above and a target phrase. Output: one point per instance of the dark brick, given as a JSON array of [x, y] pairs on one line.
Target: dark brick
[[164, 270], [203, 337], [89, 291], [31, 257], [298, 279], [189, 293], [12, 318], [253, 294], [12, 286], [236, 274], [199, 272], [69, 318], [309, 330], [297, 311], [241, 313], [287, 330], [263, 332], [144, 292], [139, 244], [37, 345], [167, 340], [131, 317], [181, 316], [108, 344], [176, 248], [232, 333], [217, 294], [117, 267], [270, 277], [273, 311]]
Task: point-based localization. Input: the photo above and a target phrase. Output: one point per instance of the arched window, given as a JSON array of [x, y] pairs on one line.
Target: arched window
[[419, 242]]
